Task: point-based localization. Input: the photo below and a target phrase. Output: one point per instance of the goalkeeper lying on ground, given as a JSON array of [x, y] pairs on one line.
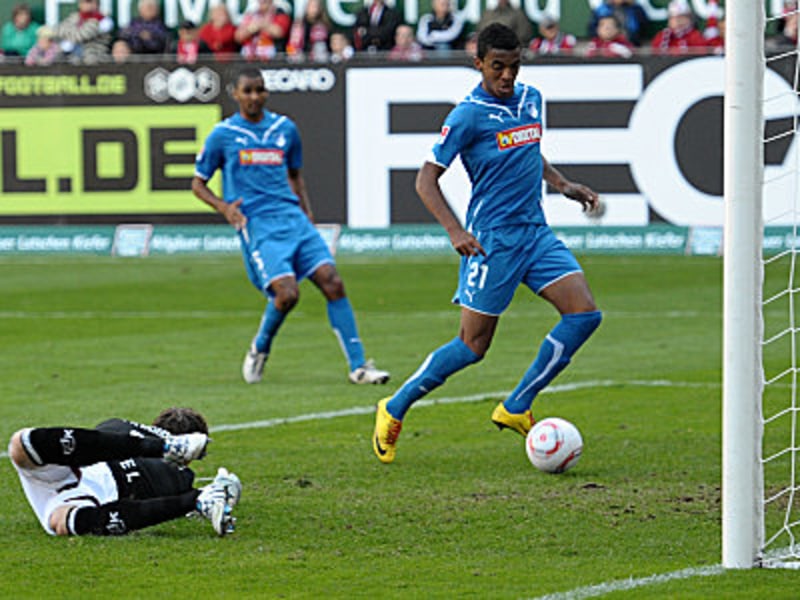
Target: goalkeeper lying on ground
[[120, 476]]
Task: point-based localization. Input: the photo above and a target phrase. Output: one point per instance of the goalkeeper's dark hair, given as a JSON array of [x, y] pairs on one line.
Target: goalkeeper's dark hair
[[181, 420], [497, 36]]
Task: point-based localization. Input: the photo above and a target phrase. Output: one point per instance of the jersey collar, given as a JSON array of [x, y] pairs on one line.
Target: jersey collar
[[513, 106]]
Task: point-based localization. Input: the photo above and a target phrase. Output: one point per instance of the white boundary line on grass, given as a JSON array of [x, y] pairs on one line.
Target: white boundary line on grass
[[621, 585], [365, 410]]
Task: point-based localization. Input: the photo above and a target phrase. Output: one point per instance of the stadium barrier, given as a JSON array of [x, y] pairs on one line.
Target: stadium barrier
[[136, 240]]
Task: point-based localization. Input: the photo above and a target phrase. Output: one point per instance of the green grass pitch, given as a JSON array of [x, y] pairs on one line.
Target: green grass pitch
[[460, 514]]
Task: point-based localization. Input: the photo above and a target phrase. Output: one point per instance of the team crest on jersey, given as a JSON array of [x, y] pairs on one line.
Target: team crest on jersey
[[532, 109], [519, 136], [260, 157]]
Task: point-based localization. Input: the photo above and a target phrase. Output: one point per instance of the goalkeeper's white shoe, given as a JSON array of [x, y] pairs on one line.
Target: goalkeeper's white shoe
[[217, 499], [183, 449], [231, 484], [253, 365], [212, 503], [368, 373]]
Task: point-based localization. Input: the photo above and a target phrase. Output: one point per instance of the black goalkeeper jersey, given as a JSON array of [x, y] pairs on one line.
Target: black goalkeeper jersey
[[139, 478]]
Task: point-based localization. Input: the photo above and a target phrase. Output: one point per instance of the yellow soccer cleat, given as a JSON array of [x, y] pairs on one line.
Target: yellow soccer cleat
[[387, 430], [521, 423]]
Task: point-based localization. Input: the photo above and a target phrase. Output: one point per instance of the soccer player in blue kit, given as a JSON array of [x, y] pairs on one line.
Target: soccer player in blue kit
[[497, 129], [265, 199]]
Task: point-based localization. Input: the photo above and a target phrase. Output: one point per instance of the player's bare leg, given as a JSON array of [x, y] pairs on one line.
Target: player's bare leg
[[477, 330], [570, 295], [16, 452]]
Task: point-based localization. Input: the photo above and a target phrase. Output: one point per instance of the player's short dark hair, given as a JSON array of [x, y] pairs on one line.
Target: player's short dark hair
[[248, 72], [181, 420], [497, 36]]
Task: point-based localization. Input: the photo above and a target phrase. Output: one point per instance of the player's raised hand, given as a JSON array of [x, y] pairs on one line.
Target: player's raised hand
[[234, 216], [466, 244]]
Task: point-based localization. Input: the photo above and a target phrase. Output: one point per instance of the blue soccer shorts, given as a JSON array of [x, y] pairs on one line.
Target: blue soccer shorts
[[274, 247], [529, 254]]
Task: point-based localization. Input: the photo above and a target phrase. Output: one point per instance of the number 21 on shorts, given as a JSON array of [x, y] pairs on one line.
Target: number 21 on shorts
[[477, 275]]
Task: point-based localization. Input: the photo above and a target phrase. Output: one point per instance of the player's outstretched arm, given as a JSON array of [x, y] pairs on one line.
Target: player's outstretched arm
[[229, 210], [431, 194], [587, 197]]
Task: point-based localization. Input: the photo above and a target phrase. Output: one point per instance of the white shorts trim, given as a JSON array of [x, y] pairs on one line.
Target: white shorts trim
[[557, 279]]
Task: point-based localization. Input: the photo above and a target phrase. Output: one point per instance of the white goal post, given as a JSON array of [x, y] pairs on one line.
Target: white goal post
[[742, 379]]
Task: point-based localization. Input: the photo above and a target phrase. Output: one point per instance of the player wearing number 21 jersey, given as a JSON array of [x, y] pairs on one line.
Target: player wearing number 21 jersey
[[505, 242], [498, 140]]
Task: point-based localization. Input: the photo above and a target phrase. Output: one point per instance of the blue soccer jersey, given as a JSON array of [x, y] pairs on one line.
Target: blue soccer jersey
[[254, 158], [498, 140]]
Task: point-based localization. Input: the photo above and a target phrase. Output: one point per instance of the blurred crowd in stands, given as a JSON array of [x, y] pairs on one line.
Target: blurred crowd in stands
[[617, 28]]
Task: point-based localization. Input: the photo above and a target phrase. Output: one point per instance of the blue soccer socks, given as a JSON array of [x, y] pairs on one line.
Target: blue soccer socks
[[440, 364], [554, 355], [343, 322], [270, 323]]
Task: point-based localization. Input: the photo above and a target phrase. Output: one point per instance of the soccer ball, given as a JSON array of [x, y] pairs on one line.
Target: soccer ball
[[554, 445]]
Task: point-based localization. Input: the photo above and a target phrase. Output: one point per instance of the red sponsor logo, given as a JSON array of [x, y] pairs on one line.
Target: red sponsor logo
[[519, 136], [443, 136], [260, 157]]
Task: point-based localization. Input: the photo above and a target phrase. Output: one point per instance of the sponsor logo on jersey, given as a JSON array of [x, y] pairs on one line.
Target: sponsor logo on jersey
[[519, 136], [260, 157]]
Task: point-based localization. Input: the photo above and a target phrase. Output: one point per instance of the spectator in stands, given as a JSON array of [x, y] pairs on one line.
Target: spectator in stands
[[509, 16], [551, 39], [188, 47], [219, 33], [147, 33], [680, 36], [19, 34], [263, 31], [120, 52], [46, 50], [610, 41], [341, 49], [442, 28], [630, 15], [86, 34], [405, 46], [787, 27], [375, 26], [715, 28], [309, 34], [471, 45]]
